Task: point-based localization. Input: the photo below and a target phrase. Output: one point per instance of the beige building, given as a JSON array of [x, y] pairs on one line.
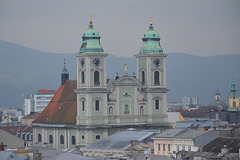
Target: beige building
[[187, 139], [29, 118], [163, 143]]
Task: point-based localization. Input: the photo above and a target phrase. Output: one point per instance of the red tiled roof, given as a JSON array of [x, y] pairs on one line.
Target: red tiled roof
[[46, 91], [16, 129], [62, 109], [31, 116]]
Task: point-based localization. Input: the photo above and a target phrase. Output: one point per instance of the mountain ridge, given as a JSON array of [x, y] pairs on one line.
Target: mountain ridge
[[24, 70]]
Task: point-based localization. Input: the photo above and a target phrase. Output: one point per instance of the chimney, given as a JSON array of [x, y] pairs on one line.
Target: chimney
[[239, 153], [134, 142], [37, 155], [225, 150], [2, 147]]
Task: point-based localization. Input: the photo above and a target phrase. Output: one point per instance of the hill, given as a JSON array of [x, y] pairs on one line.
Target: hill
[[23, 71]]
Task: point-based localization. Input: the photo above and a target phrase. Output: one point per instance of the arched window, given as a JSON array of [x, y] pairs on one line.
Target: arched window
[[73, 140], [126, 109], [61, 139], [39, 138], [97, 107], [96, 78], [98, 137], [50, 139], [141, 110], [234, 104], [83, 105], [83, 77], [143, 77], [110, 111], [82, 136], [156, 78], [157, 104]]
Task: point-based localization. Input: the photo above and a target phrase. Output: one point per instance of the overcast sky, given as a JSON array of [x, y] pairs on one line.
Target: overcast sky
[[203, 27]]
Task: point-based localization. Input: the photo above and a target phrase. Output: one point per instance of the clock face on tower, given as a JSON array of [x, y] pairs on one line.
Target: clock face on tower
[[82, 62], [156, 62], [96, 62]]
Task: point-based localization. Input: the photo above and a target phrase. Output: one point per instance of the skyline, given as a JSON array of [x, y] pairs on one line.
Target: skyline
[[200, 28]]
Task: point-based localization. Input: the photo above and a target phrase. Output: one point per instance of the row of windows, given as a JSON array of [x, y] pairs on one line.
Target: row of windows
[[25, 136], [61, 140], [156, 78], [184, 148], [97, 82], [163, 147], [73, 139], [126, 108], [96, 78]]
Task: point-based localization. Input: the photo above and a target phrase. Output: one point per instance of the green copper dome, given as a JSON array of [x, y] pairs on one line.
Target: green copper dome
[[91, 41], [151, 42]]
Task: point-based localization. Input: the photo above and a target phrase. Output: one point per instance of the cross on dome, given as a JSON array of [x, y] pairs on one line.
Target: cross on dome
[[90, 18], [151, 17]]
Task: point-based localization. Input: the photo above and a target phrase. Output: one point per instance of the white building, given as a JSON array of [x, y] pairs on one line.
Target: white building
[[190, 101], [28, 104], [42, 98]]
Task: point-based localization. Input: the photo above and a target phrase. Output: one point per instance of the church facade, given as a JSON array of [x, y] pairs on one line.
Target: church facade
[[92, 107]]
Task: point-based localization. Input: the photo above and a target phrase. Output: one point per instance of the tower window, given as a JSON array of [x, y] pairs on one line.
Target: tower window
[[61, 139], [73, 140], [234, 104], [156, 78], [83, 77], [153, 35], [39, 138], [157, 104], [96, 78], [97, 105], [82, 136], [50, 139], [143, 77], [83, 105]]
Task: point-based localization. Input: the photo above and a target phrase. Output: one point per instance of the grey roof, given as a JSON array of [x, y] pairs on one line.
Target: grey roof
[[191, 133], [53, 154], [170, 133], [6, 155], [197, 123], [152, 156], [118, 142]]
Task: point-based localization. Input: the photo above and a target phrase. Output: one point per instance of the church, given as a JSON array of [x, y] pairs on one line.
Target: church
[[94, 107]]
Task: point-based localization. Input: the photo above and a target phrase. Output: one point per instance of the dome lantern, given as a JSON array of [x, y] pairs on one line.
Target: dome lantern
[[151, 41], [91, 40]]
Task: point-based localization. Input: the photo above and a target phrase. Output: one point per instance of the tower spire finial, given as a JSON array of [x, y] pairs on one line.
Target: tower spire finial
[[151, 17], [90, 18]]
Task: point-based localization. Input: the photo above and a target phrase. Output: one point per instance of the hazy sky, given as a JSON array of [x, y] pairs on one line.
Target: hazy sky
[[203, 27]]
